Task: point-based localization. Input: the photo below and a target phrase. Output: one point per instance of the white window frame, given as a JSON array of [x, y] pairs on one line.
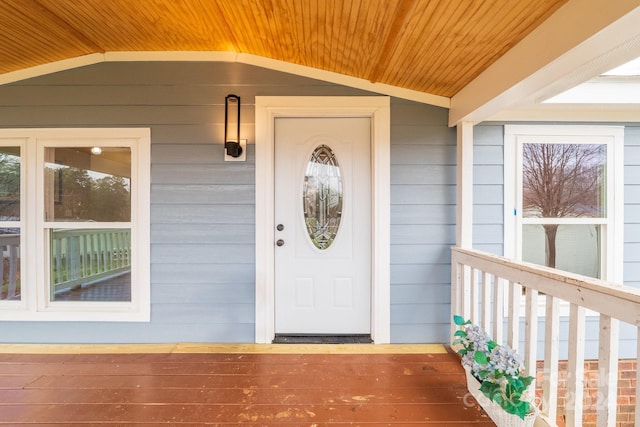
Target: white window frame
[[35, 302], [612, 225]]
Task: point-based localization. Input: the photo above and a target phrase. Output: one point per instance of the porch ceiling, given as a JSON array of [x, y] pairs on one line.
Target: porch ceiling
[[434, 47]]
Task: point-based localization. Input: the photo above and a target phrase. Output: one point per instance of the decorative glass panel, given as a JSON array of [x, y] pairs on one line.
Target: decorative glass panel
[[322, 197]]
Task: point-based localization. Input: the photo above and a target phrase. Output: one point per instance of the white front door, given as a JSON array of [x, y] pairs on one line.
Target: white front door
[[322, 225]]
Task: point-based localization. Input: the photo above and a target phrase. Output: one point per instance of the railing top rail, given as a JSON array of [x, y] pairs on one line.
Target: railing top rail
[[82, 232], [612, 299]]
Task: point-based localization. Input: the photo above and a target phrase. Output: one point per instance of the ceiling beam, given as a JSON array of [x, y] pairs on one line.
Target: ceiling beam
[[589, 36]]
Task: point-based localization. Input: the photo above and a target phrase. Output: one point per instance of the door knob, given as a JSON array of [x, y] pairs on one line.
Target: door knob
[[280, 242], [280, 227]]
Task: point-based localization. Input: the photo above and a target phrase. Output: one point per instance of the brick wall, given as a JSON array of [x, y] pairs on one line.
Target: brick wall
[[626, 392]]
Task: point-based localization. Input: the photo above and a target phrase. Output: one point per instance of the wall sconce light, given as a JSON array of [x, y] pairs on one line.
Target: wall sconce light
[[235, 148]]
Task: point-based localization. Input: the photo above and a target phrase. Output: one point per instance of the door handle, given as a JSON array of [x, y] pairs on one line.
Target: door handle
[[280, 227], [280, 242]]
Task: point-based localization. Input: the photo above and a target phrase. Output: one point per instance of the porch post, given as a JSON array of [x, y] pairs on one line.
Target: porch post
[[464, 185], [461, 274]]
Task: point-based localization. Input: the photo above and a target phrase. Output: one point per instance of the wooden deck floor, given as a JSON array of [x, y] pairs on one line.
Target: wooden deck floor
[[230, 388]]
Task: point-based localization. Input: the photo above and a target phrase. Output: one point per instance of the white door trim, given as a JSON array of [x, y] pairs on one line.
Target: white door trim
[[378, 109]]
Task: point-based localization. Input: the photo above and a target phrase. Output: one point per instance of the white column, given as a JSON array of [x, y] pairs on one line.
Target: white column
[[464, 185]]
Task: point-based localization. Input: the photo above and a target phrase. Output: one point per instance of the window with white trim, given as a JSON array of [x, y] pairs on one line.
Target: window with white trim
[[563, 197], [74, 224]]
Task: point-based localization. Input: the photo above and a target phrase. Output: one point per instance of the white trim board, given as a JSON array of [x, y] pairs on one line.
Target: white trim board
[[378, 109], [216, 56]]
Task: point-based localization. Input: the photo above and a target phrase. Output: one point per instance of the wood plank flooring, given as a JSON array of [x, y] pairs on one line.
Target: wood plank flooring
[[230, 388]]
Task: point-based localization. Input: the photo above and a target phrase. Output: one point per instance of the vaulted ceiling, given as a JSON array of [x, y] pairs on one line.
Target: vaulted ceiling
[[433, 47]]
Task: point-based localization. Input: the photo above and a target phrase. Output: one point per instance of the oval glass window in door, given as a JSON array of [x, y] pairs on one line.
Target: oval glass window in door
[[322, 197]]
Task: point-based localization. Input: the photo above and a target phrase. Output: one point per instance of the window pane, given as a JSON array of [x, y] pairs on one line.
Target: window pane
[[322, 197], [563, 180], [10, 247], [88, 184], [90, 265], [9, 184], [573, 248]]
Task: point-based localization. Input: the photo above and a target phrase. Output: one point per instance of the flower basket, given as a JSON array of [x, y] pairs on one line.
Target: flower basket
[[495, 412]]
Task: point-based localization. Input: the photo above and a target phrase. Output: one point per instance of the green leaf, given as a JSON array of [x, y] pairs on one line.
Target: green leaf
[[526, 381], [480, 357], [458, 320], [462, 351], [460, 333]]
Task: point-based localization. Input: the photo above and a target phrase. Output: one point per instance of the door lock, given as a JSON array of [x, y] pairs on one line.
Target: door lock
[[280, 242]]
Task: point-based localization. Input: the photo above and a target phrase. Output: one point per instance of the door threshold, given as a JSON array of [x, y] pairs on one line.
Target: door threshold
[[322, 339]]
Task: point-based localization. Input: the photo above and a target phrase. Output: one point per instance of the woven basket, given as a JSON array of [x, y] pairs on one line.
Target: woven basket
[[495, 412]]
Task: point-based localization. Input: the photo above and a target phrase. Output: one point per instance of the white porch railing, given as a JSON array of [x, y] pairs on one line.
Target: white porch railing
[[81, 257], [480, 285]]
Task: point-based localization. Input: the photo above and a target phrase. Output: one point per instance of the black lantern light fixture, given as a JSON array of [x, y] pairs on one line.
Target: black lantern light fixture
[[232, 117]]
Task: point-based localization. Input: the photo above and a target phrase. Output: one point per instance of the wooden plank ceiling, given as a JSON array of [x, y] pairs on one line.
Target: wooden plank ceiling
[[431, 46]]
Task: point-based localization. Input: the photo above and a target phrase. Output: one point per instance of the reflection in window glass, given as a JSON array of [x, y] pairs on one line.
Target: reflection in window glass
[[9, 184], [90, 264], [563, 180], [10, 267], [88, 184], [575, 248]]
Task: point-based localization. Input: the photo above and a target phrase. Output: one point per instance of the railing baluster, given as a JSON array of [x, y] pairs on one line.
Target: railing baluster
[[513, 334], [466, 291], [90, 252], [120, 250], [456, 292], [67, 258], [57, 250], [608, 367], [81, 257], [105, 255], [13, 270], [486, 301], [551, 347], [575, 365], [531, 333], [100, 252], [498, 307], [473, 295]]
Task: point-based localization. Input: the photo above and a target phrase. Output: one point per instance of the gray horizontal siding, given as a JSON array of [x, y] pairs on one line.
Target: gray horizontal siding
[[202, 209], [203, 234], [423, 177], [631, 272], [488, 189]]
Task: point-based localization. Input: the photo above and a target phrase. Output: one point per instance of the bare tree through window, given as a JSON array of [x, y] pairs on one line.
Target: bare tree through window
[[562, 181]]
